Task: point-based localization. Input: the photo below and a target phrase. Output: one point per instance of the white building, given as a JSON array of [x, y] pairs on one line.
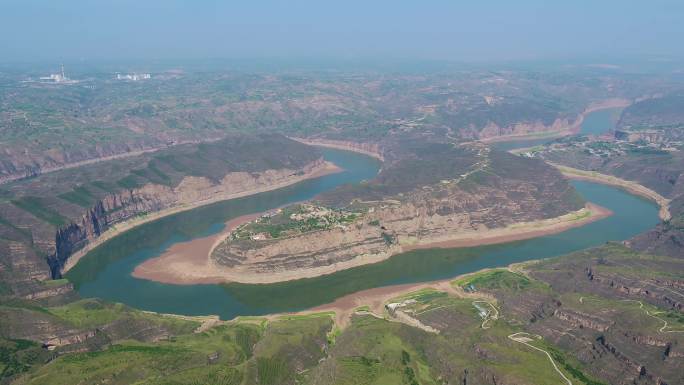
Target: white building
[[58, 78], [133, 77]]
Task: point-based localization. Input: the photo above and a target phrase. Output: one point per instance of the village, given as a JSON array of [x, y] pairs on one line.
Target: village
[[604, 148], [293, 220]]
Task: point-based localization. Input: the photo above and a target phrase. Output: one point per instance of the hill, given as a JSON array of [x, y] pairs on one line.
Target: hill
[[431, 193], [53, 216], [602, 316]]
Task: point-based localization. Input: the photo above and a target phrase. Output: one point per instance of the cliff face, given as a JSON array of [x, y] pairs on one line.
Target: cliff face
[[424, 218], [605, 315], [372, 149], [668, 237], [60, 214], [314, 250], [664, 239], [23, 272], [151, 198], [493, 130]]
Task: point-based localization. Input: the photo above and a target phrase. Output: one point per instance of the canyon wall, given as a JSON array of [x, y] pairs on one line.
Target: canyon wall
[[370, 149], [492, 131], [193, 191]]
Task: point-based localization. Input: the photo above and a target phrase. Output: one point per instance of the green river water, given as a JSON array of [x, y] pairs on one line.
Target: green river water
[[106, 271]]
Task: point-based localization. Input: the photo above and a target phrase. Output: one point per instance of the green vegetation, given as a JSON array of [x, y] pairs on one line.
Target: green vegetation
[[19, 356], [311, 349], [104, 186], [422, 295], [272, 371], [426, 163], [564, 363], [388, 238], [79, 196], [498, 279], [36, 206], [219, 356], [56, 282], [129, 182], [325, 314], [292, 220], [93, 313]]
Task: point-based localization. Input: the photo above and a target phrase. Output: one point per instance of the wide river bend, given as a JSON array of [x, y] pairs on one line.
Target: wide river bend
[[105, 272]]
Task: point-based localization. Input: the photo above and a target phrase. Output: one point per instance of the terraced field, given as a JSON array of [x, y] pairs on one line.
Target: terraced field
[[601, 316]]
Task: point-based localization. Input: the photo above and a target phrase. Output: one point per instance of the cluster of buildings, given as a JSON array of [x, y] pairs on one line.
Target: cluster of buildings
[[310, 212], [58, 78], [61, 77], [133, 77]]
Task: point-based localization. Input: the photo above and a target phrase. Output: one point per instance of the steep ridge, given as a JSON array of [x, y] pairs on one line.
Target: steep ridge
[[159, 200], [64, 213]]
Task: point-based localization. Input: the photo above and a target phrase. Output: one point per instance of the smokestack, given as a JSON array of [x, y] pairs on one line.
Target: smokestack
[[63, 76]]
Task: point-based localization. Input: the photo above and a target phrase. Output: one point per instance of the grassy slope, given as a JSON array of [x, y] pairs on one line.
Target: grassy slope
[[310, 349]]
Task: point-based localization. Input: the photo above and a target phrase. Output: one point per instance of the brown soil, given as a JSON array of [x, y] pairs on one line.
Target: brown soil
[[597, 211]]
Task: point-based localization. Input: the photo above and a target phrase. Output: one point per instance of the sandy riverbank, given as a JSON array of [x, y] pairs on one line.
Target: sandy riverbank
[[190, 263], [630, 186], [184, 260], [119, 228], [572, 129]]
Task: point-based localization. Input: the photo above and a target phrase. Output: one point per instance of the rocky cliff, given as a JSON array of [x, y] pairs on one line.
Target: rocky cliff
[[371, 149], [63, 213], [493, 130], [153, 198]]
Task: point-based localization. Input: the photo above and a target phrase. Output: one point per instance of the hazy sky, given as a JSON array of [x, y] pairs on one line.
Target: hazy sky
[[450, 29]]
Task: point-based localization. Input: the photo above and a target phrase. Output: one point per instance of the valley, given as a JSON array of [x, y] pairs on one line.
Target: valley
[[324, 252], [341, 193]]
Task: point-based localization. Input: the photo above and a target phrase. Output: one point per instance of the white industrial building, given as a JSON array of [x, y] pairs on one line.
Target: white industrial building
[[133, 77]]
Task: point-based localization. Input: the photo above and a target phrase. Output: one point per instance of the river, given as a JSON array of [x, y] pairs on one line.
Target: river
[[106, 271], [595, 123]]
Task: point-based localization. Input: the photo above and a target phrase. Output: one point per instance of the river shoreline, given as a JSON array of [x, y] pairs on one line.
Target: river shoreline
[[189, 263], [342, 308], [572, 129], [375, 299], [119, 228], [627, 185]]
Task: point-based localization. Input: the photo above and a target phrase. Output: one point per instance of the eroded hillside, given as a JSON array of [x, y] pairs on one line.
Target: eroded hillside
[[601, 316], [50, 126], [434, 193], [55, 215]]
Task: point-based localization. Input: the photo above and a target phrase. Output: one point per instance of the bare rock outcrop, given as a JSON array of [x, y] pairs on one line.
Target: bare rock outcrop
[[150, 198]]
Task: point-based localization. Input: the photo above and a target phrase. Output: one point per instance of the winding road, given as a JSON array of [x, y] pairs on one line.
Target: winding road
[[521, 337]]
